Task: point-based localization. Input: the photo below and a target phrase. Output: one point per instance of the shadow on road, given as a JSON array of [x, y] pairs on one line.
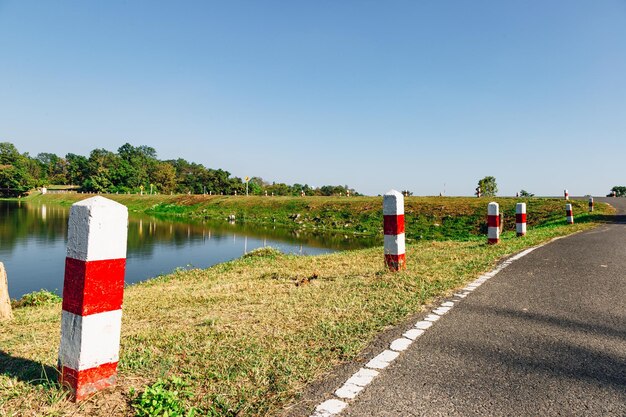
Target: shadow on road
[[562, 360], [564, 357], [26, 370], [603, 218], [563, 323]]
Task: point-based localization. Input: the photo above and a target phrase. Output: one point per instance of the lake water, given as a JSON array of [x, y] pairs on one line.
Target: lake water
[[33, 238]]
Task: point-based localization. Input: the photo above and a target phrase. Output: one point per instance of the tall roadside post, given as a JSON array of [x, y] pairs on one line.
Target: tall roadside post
[[520, 219], [393, 226], [569, 214], [493, 223], [93, 290]]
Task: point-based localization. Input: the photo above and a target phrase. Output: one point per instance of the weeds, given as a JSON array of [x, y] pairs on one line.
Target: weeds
[[164, 398], [36, 299]]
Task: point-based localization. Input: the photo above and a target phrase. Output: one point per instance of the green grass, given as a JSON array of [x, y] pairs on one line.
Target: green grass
[[245, 337], [439, 218]]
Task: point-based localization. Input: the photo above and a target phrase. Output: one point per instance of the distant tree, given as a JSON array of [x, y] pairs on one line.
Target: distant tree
[[15, 178], [488, 186], [77, 168], [524, 193], [53, 168], [164, 177], [257, 186], [620, 191], [279, 189]]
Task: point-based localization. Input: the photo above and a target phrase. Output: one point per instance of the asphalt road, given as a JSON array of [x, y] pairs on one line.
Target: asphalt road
[[546, 336]]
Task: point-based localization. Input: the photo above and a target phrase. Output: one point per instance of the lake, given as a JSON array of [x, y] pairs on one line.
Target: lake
[[33, 241]]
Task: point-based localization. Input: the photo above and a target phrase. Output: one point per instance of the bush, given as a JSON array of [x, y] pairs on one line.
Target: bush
[[36, 299], [163, 398]]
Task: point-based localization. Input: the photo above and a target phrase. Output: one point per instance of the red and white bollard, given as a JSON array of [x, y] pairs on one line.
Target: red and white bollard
[[520, 219], [566, 194], [93, 290], [590, 204], [393, 226], [569, 214], [493, 223]]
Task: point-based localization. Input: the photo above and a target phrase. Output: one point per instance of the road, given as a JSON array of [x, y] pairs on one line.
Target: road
[[546, 336]]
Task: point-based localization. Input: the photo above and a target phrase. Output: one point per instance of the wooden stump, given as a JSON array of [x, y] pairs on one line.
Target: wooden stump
[[5, 302]]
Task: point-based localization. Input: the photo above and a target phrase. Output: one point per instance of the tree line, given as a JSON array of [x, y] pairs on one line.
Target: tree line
[[134, 169]]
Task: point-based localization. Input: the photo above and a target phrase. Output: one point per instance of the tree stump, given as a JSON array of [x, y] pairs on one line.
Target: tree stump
[[5, 302]]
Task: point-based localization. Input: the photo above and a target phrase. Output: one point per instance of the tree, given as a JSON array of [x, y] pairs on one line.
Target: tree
[[164, 177], [15, 178], [524, 193], [77, 168], [488, 186], [620, 191]]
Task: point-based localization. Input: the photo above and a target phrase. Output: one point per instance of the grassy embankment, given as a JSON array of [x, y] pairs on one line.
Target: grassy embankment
[[248, 335], [440, 218]]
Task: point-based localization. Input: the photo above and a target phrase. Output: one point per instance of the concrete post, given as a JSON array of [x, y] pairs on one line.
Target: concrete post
[[93, 290], [5, 301], [493, 223], [520, 219], [590, 204], [569, 214], [566, 194], [393, 226]]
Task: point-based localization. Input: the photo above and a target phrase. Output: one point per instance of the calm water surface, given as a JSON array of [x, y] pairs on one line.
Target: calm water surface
[[33, 239]]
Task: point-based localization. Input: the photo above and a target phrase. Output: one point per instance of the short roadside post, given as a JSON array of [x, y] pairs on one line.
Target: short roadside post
[[520, 219], [493, 223], [569, 214], [5, 302], [393, 226], [566, 194], [590, 204], [93, 290]]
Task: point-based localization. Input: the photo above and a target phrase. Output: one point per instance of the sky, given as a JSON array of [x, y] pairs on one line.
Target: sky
[[427, 96]]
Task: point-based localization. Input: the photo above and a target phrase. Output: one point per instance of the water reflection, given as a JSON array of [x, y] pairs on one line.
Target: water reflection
[[33, 239]]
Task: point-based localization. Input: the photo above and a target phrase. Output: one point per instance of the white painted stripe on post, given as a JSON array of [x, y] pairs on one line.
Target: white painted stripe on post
[[393, 203], [569, 213], [89, 341], [93, 225], [394, 244], [520, 227], [493, 233]]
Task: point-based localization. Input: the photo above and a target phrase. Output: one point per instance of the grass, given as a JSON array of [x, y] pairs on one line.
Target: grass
[[246, 336], [439, 218]]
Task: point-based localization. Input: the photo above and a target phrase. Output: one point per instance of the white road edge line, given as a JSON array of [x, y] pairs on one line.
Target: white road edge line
[[364, 376]]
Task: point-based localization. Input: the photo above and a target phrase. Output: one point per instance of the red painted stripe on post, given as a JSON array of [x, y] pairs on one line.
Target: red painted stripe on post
[[86, 382], [493, 221], [395, 262], [520, 218], [94, 286], [568, 212], [393, 224]]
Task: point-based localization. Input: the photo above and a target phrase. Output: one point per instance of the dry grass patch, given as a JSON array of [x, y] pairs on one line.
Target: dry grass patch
[[246, 335]]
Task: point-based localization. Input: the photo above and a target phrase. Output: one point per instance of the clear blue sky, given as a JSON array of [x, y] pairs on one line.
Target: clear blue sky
[[373, 94]]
